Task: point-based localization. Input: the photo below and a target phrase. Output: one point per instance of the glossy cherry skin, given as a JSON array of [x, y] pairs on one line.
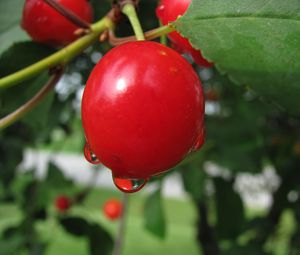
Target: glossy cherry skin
[[168, 11], [62, 203], [113, 209], [142, 109], [44, 24]]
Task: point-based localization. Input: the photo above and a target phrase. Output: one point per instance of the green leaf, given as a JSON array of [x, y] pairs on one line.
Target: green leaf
[[154, 215], [18, 56], [56, 178], [193, 178], [100, 241], [230, 210], [12, 245], [22, 54], [75, 225], [255, 41], [10, 29], [35, 198]]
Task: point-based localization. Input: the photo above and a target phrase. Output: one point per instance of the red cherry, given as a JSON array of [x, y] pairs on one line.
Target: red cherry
[[113, 209], [142, 110], [62, 203], [44, 24], [168, 11]]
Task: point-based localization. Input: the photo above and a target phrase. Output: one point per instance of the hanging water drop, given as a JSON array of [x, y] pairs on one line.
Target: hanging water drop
[[129, 185], [90, 156]]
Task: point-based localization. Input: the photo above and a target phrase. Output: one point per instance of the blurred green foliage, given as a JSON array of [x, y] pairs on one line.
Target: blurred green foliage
[[245, 132]]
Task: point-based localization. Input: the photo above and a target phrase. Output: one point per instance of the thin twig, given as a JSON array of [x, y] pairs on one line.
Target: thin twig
[[29, 105], [149, 35], [75, 19], [119, 241]]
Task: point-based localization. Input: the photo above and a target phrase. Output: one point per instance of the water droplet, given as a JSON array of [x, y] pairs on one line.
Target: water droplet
[[200, 140], [89, 155], [129, 185]]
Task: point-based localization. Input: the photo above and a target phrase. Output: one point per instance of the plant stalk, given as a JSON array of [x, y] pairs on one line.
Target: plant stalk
[[61, 57], [71, 16], [129, 10], [21, 111], [149, 35], [119, 241]]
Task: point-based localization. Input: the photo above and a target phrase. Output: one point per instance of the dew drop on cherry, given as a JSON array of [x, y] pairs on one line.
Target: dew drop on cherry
[[90, 155], [129, 185]]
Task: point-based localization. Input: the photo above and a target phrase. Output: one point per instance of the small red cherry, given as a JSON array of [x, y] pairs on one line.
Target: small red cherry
[[169, 11], [113, 209], [142, 111], [62, 203], [46, 25]]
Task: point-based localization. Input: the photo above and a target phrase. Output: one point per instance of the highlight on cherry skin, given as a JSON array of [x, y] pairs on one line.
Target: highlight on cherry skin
[[113, 209], [46, 25], [142, 112], [168, 11]]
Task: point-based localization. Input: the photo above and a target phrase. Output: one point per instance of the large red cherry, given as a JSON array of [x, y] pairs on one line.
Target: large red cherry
[[142, 111], [44, 24], [168, 11]]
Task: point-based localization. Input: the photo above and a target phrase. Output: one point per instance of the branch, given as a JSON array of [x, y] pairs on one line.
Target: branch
[[61, 57], [129, 10], [21, 111], [149, 35], [121, 232], [71, 16], [206, 235]]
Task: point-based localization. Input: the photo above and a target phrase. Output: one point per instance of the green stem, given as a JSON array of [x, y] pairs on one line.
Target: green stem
[[149, 35], [119, 241], [129, 11], [21, 111], [163, 38], [61, 57], [164, 30]]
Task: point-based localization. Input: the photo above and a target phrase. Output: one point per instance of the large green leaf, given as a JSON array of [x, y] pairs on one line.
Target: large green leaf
[[75, 225], [257, 42], [100, 241], [56, 178], [194, 178], [230, 210], [155, 221], [18, 56], [10, 16]]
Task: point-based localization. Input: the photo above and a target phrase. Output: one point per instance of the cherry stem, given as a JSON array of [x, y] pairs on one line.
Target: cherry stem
[[61, 57], [33, 102], [149, 35], [119, 241], [163, 38], [129, 10], [68, 14]]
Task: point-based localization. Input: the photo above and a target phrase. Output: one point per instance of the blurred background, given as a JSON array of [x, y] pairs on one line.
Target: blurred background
[[238, 195]]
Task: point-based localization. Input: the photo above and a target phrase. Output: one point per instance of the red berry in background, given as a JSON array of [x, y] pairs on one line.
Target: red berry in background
[[44, 24], [168, 11], [113, 209], [142, 111], [62, 203]]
